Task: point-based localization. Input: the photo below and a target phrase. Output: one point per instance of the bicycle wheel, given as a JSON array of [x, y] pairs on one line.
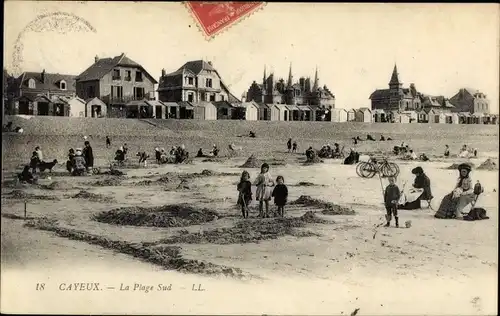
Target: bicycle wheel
[[389, 170], [358, 168], [368, 170], [395, 166]]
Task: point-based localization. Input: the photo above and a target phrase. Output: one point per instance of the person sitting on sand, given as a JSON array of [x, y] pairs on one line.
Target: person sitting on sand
[[263, 193], [446, 151], [119, 155], [26, 176], [475, 152], [181, 154], [289, 145], [157, 155], [34, 162], [358, 138], [355, 140], [353, 158], [80, 165], [200, 153], [382, 138], [39, 153], [421, 191], [70, 164], [245, 193], [388, 138], [310, 153], [294, 147], [370, 137], [455, 202], [173, 150], [411, 155], [251, 134], [125, 149], [215, 151], [423, 157]]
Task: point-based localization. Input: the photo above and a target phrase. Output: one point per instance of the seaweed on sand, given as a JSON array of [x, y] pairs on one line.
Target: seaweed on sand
[[328, 207], [174, 215]]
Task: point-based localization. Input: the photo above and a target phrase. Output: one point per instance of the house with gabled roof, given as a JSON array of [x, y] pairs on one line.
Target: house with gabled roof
[[37, 93], [116, 81], [195, 81], [268, 112], [470, 100]]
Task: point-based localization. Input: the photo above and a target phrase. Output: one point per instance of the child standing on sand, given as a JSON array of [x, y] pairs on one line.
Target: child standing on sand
[[391, 198], [280, 194], [294, 147], [245, 193], [264, 183]]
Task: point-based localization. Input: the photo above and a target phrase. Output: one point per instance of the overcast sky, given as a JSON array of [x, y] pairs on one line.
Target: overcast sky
[[439, 47]]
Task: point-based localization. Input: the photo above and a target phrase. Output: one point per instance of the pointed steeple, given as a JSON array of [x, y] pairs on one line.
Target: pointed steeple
[[289, 83], [265, 76], [316, 80], [395, 78]]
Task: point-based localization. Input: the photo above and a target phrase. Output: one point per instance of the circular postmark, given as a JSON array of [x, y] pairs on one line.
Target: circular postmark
[[61, 22]]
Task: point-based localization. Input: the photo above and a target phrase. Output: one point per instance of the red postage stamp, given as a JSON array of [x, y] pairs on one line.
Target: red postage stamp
[[214, 17]]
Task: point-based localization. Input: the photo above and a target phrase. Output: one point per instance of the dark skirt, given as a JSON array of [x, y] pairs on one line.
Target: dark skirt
[[447, 207], [246, 200]]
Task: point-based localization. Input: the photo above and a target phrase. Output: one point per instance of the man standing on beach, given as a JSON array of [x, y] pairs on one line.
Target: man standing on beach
[[108, 142]]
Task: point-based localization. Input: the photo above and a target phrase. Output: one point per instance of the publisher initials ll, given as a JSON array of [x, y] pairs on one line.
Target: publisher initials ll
[[194, 288]]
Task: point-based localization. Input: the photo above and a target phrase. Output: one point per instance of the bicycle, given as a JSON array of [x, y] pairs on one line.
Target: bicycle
[[368, 169]]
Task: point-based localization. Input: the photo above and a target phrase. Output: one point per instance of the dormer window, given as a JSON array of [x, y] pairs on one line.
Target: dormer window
[[31, 84], [62, 85]]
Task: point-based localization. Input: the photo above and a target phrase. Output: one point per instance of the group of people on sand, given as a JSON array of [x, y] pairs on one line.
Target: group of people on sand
[[9, 128], [80, 161], [328, 152], [213, 153], [405, 152], [177, 154], [369, 137], [266, 188], [453, 205], [36, 165]]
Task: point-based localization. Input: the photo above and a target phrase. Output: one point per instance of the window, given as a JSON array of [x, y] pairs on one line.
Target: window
[[128, 76], [190, 80], [212, 97], [138, 76], [62, 85], [190, 97], [116, 92], [116, 74], [222, 98], [91, 92], [138, 93], [203, 97], [31, 84], [209, 83]]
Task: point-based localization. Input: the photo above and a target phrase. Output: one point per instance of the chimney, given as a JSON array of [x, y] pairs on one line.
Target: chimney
[[43, 76], [163, 72], [96, 58]]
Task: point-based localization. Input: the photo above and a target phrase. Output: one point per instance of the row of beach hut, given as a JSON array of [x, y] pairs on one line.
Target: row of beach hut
[[253, 111]]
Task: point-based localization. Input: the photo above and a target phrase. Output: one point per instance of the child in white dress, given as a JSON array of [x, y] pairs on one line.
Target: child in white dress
[[263, 193]]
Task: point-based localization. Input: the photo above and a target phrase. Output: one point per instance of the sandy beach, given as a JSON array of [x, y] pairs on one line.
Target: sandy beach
[[82, 228]]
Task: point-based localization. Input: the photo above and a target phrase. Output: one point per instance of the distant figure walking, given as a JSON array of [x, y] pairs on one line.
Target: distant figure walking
[[108, 142], [289, 145], [294, 147]]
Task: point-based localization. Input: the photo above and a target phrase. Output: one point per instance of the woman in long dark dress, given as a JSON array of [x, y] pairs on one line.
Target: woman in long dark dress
[[422, 182], [453, 203]]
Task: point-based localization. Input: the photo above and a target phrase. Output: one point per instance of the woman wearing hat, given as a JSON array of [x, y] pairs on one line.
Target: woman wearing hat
[[79, 163], [421, 190], [463, 194]]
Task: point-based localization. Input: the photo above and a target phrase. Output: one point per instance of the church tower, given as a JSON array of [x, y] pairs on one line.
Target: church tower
[[396, 90], [289, 91]]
